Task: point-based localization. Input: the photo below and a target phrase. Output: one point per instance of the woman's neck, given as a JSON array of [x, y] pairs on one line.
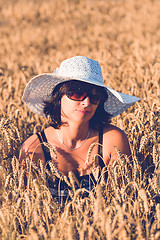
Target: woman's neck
[[72, 135]]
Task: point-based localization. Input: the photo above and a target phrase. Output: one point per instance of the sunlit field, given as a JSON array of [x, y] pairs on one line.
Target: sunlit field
[[124, 37]]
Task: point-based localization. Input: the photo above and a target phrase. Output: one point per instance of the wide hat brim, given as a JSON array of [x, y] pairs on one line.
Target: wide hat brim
[[39, 89]]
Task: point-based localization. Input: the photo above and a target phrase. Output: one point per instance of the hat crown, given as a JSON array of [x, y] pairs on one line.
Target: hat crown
[[82, 68]]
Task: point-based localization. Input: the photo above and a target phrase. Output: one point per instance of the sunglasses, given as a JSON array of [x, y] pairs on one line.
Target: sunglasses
[[93, 95]]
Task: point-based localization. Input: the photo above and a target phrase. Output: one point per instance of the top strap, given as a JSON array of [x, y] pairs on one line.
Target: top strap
[[100, 147], [100, 153], [46, 151]]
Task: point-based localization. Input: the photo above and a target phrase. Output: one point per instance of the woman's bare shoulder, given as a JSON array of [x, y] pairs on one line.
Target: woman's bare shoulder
[[30, 143], [114, 131], [115, 137], [31, 149]]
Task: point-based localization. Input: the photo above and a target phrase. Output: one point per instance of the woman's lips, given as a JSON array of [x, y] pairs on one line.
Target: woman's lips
[[83, 112]]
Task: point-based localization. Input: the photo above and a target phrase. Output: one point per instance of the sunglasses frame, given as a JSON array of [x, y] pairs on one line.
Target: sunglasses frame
[[84, 94]]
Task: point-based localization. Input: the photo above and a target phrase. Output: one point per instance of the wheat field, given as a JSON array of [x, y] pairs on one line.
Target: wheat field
[[124, 37]]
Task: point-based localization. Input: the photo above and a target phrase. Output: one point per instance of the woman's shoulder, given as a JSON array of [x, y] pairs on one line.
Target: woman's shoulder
[[31, 149], [30, 143], [33, 141], [115, 137], [113, 130]]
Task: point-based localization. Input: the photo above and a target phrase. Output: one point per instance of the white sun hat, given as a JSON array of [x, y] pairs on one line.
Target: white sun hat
[[40, 87]]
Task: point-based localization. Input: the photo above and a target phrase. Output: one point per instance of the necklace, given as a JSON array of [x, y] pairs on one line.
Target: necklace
[[73, 148]]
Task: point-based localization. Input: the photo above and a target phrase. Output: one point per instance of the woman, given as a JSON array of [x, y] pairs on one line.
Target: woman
[[79, 107]]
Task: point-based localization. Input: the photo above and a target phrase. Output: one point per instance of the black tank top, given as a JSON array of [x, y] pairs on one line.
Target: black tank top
[[86, 181]]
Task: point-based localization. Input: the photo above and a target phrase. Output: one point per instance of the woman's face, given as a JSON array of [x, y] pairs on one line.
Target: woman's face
[[79, 105]]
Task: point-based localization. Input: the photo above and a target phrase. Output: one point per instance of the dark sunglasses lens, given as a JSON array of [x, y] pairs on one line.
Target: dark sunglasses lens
[[77, 96], [94, 96], [95, 99]]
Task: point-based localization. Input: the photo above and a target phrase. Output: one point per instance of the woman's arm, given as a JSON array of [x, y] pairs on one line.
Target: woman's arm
[[30, 151], [113, 136]]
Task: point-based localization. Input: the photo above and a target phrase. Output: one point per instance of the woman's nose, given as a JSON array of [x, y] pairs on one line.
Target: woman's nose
[[86, 101]]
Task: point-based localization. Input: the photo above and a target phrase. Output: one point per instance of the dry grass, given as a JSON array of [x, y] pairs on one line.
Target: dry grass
[[123, 36]]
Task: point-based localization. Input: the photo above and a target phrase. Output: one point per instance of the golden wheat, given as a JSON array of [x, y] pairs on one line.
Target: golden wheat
[[124, 37]]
